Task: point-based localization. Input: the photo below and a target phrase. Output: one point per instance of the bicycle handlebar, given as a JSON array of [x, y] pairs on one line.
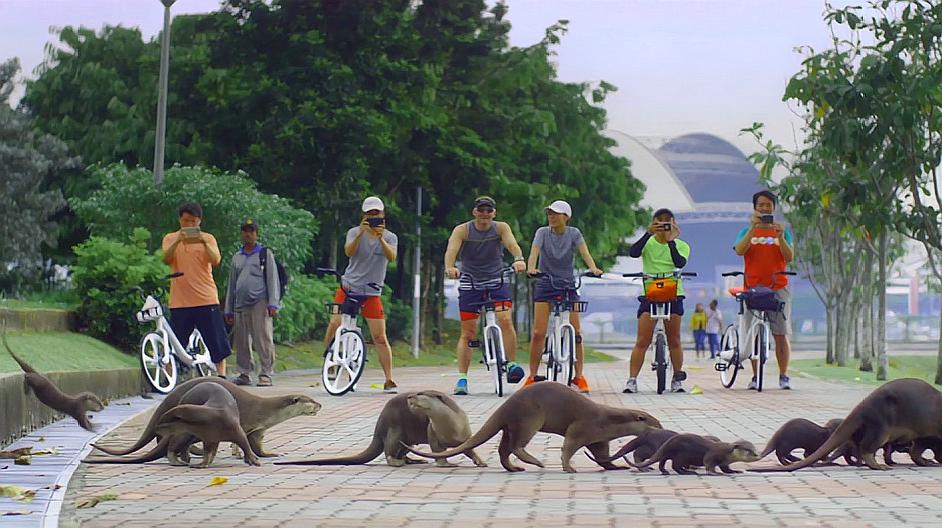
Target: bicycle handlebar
[[331, 271], [642, 275], [553, 284], [738, 273], [504, 271]]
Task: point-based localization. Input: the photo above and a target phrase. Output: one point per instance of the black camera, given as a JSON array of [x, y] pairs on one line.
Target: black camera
[[766, 219], [666, 226], [376, 222]]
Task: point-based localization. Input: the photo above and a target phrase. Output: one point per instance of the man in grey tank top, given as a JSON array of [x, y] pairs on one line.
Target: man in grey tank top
[[480, 244]]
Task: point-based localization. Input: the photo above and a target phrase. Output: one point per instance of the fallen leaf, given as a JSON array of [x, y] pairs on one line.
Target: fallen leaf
[[696, 390], [16, 452], [24, 460], [42, 452], [376, 386], [317, 384], [52, 487], [16, 512], [218, 481], [9, 490], [122, 403], [41, 439]]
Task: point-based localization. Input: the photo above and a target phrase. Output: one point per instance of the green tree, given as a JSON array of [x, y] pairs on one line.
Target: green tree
[[28, 160]]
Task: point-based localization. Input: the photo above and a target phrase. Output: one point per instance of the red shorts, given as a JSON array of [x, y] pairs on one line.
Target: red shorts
[[499, 306], [370, 307]]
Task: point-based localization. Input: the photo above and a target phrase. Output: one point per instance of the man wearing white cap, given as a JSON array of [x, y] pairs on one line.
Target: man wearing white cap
[[370, 248], [552, 253]]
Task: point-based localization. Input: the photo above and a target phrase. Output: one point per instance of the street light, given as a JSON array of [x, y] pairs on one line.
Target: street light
[[162, 97]]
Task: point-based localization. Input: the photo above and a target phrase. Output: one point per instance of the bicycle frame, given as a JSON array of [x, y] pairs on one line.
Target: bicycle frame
[[489, 326], [560, 321], [170, 341]]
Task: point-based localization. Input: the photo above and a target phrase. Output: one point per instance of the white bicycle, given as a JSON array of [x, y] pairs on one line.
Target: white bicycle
[[660, 311], [163, 358], [494, 357], [730, 359], [345, 358], [559, 348]]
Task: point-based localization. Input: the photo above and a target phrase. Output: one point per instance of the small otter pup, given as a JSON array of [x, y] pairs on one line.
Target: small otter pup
[[685, 451], [800, 433]]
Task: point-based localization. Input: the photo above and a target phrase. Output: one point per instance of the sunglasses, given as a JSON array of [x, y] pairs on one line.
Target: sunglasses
[[485, 209]]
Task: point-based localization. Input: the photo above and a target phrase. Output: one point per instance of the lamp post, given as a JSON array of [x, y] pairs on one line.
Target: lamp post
[[417, 281], [162, 97]]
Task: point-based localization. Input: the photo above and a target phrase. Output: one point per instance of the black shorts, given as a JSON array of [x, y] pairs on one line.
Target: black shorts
[[677, 306], [208, 319]]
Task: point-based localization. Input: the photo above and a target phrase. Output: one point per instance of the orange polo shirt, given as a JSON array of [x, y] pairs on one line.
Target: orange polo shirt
[[196, 287]]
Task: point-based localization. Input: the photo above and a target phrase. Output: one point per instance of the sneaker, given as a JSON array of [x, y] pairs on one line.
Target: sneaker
[[243, 379], [581, 383], [390, 387], [677, 383], [263, 381], [461, 388], [784, 383], [515, 373], [631, 386], [752, 384], [530, 381]]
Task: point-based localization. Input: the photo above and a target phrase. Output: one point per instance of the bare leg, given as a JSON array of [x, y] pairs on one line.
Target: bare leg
[[672, 327], [538, 337], [469, 331], [580, 349], [509, 333], [383, 350], [645, 332], [782, 353]]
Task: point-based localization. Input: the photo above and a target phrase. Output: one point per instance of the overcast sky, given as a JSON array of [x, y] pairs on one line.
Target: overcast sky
[[681, 66]]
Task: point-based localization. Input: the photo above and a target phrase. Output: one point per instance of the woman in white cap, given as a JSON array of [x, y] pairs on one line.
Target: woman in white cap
[[552, 253], [370, 248]]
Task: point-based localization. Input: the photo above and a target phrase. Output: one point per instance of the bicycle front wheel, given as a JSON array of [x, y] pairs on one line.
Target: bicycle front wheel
[[727, 363], [158, 364], [200, 353], [568, 354], [344, 363], [549, 350], [660, 362], [496, 346], [762, 347]]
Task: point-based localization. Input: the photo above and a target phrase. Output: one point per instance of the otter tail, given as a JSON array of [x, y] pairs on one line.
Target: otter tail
[[23, 364], [655, 458], [160, 450], [367, 455], [772, 443]]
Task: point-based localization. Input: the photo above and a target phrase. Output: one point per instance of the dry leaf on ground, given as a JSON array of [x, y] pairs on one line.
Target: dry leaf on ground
[[91, 502], [218, 481]]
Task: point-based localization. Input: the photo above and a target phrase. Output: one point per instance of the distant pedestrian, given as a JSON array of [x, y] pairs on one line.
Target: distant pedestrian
[[698, 323], [713, 327]]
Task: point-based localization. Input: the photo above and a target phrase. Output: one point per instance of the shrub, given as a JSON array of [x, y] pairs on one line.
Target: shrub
[[126, 198], [302, 314], [104, 274], [398, 318]]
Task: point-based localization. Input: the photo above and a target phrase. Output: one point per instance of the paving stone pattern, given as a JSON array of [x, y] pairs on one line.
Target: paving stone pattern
[[156, 494]]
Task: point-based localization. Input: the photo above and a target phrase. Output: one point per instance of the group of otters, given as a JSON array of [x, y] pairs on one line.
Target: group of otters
[[902, 415]]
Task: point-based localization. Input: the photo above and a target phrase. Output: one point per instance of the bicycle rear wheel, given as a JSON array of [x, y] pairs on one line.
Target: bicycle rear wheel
[[497, 348], [660, 362], [552, 367], [762, 345], [198, 350], [727, 362]]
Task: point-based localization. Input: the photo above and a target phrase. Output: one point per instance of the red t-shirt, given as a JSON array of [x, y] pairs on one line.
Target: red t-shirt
[[763, 258]]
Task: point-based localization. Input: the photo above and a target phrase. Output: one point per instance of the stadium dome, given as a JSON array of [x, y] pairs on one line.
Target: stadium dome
[[711, 169]]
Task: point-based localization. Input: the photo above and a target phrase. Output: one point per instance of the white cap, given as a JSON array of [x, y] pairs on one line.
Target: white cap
[[372, 203], [560, 207]]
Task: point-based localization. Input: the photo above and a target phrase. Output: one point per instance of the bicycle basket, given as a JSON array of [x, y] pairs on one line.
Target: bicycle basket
[[762, 299], [661, 290], [151, 311], [578, 306]]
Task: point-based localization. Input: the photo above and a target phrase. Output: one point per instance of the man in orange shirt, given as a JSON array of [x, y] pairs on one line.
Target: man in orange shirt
[[766, 248], [194, 300]]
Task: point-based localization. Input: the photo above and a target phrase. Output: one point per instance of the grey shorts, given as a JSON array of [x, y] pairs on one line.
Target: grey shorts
[[779, 322]]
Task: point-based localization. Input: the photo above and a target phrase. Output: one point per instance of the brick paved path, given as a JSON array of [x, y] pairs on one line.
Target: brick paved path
[[156, 494]]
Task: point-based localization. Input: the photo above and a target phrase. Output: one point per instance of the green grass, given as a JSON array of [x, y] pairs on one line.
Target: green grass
[[18, 304], [56, 351], [922, 367]]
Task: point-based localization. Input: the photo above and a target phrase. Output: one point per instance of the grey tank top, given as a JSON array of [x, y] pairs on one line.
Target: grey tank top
[[482, 253]]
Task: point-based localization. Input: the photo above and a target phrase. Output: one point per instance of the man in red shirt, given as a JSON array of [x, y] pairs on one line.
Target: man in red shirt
[[766, 248]]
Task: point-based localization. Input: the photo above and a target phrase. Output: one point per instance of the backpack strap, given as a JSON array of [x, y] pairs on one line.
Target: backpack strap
[[263, 260]]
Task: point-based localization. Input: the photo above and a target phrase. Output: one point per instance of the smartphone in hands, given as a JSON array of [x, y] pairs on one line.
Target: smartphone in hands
[[766, 219], [191, 234]]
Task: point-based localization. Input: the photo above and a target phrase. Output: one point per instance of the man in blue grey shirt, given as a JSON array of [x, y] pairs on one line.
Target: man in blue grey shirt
[[253, 298]]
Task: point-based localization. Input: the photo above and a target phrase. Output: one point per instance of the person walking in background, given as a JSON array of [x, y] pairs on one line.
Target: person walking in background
[[253, 299], [713, 327], [698, 323]]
